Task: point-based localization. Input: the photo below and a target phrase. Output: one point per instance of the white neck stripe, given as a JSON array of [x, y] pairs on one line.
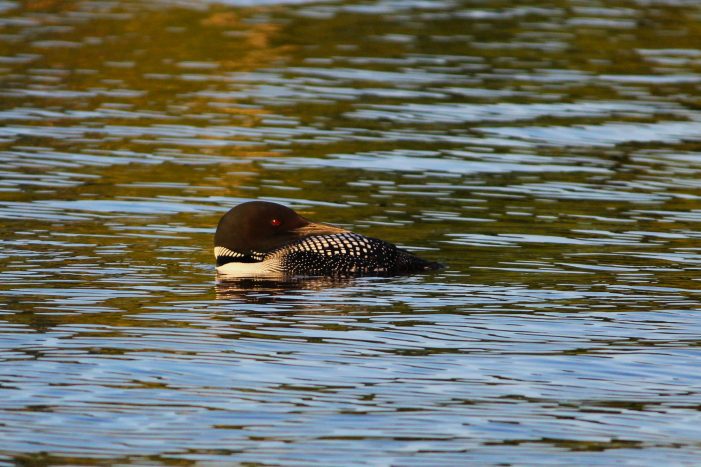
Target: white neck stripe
[[223, 251]]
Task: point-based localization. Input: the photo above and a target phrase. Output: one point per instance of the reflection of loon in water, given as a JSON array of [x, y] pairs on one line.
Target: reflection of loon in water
[[262, 238], [262, 290]]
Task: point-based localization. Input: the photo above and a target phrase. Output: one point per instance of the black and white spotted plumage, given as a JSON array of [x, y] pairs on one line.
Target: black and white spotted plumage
[[346, 253], [260, 238]]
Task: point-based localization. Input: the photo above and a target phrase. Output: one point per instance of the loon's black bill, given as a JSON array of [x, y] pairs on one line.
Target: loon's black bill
[[313, 228]]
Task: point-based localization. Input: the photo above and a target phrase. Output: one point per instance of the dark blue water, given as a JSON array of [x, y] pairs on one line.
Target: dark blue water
[[549, 153]]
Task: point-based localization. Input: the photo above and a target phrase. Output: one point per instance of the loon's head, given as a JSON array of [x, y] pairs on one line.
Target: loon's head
[[250, 230]]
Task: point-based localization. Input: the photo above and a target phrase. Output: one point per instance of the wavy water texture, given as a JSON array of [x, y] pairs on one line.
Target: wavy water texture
[[548, 153]]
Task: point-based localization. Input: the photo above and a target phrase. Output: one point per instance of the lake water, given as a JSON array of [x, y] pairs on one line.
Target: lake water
[[548, 152]]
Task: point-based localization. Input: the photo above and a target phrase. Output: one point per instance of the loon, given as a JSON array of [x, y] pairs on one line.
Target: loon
[[260, 238]]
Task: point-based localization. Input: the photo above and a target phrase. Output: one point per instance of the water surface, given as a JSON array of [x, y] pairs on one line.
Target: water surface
[[548, 153]]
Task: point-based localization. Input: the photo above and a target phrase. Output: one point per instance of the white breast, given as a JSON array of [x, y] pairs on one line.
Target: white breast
[[268, 267]]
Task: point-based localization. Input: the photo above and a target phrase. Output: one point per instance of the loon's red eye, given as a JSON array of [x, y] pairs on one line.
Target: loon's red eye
[[275, 222]]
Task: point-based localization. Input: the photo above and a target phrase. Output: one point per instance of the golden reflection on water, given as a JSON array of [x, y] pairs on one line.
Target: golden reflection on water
[[548, 153]]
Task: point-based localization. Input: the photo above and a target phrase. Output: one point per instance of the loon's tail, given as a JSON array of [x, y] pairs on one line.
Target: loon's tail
[[409, 262], [433, 266]]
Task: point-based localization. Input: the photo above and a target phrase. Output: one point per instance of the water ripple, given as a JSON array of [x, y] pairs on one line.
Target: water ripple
[[548, 155]]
